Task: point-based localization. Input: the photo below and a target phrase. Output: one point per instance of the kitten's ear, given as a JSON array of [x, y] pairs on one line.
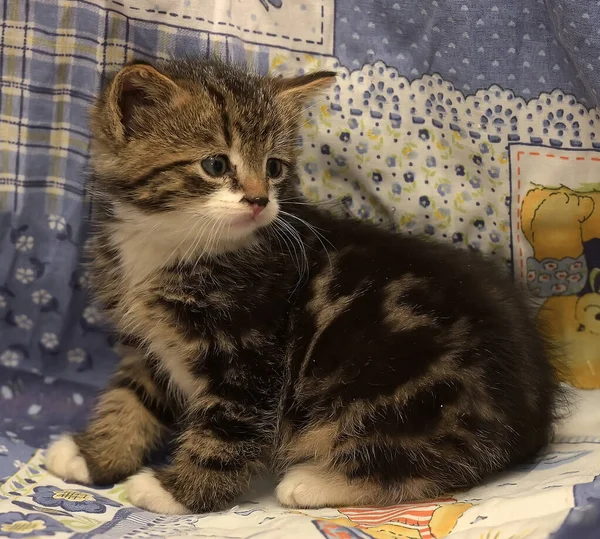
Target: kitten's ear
[[306, 86], [135, 90]]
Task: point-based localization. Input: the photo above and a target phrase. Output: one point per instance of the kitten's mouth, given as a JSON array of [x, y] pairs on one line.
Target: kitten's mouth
[[250, 220], [247, 220]]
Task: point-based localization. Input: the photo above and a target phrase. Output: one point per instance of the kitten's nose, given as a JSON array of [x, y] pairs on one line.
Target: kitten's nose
[[257, 204]]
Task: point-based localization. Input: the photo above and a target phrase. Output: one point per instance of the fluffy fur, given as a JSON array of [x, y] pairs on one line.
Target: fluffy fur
[[363, 366]]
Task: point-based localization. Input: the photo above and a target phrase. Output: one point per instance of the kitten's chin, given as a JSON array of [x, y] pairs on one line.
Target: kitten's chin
[[245, 226]]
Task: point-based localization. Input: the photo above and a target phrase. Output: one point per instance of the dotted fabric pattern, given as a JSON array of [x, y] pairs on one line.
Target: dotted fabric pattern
[[529, 46], [424, 158]]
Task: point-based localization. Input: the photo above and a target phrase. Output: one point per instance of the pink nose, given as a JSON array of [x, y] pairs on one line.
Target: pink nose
[[257, 204]]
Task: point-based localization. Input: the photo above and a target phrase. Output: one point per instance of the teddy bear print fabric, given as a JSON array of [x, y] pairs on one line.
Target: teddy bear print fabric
[[557, 248]]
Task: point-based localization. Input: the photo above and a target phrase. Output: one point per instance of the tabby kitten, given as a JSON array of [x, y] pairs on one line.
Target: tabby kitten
[[363, 366]]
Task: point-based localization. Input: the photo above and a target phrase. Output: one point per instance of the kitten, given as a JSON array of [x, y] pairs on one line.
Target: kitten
[[365, 367]]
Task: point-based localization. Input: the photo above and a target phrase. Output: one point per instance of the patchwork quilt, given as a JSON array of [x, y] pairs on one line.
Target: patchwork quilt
[[472, 122]]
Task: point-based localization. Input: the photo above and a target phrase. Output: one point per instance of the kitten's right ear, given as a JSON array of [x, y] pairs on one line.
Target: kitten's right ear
[[135, 89], [306, 86]]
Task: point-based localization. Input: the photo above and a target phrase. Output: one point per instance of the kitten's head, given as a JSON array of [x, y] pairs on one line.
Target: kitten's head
[[199, 144]]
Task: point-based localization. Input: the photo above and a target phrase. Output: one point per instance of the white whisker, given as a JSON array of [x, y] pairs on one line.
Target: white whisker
[[197, 240], [281, 233], [196, 229], [206, 237], [294, 234], [315, 231], [176, 249], [330, 202]]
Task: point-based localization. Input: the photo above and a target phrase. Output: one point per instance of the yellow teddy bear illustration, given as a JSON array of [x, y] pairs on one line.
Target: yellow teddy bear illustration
[[563, 228]]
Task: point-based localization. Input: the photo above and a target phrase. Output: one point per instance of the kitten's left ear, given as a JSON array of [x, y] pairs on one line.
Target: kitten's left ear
[[306, 86]]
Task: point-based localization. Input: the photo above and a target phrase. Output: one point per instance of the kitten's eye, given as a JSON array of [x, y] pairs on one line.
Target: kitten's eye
[[216, 166], [274, 168]]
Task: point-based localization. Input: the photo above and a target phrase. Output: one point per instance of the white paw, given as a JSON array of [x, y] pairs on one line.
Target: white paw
[[64, 460], [302, 487], [145, 491]]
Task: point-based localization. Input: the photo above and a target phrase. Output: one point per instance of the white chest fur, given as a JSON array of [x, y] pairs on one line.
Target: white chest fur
[[144, 250]]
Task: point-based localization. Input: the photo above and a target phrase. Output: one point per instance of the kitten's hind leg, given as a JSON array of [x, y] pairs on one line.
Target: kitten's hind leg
[[125, 427], [309, 485]]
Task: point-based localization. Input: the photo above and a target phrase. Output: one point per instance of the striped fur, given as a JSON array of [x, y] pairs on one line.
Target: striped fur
[[362, 366]]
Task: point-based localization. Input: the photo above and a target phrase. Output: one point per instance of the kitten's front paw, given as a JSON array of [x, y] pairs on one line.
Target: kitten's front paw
[[145, 491], [64, 460]]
